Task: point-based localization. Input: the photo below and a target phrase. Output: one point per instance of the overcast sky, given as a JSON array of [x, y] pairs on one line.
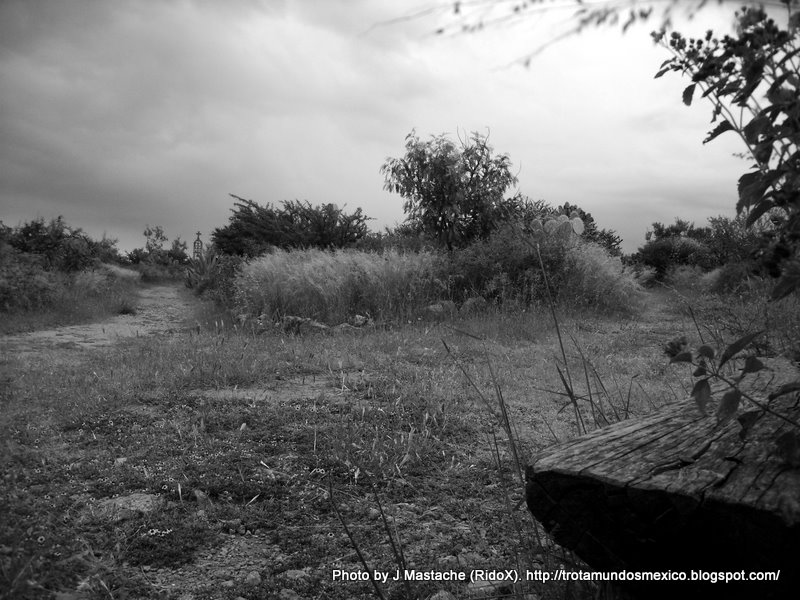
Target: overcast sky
[[133, 112]]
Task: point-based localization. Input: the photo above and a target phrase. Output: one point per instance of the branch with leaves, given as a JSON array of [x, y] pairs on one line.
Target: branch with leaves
[[753, 83]]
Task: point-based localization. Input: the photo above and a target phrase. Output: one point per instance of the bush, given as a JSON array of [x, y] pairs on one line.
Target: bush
[[24, 283], [213, 276], [333, 286], [59, 246], [735, 277], [254, 229], [594, 278], [664, 253], [502, 268]]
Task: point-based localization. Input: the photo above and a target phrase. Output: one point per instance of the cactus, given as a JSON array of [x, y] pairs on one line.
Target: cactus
[[201, 270]]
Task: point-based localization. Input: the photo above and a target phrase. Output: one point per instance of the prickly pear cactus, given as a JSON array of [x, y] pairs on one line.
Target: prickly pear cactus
[[562, 227]]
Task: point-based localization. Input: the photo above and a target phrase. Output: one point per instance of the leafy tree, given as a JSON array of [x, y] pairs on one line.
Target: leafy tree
[[155, 239], [153, 251], [753, 82], [254, 229], [178, 251], [452, 192], [58, 246]]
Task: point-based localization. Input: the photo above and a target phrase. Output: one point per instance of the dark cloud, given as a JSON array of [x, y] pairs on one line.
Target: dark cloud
[[119, 114]]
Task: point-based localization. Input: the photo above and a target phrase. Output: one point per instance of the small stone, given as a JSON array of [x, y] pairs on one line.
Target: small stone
[[253, 579], [483, 589], [470, 558], [296, 573], [287, 594], [443, 595], [228, 584], [373, 513], [448, 562]]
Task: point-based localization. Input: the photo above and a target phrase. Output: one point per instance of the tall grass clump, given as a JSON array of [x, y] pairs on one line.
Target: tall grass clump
[[593, 278], [333, 286]]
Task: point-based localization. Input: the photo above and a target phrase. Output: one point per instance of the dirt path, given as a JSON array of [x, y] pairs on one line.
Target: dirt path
[[160, 309]]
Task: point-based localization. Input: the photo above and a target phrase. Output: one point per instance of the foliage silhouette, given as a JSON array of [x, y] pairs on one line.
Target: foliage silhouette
[[452, 192]]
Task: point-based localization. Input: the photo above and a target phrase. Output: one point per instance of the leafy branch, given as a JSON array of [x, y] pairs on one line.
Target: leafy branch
[[708, 365], [761, 59]]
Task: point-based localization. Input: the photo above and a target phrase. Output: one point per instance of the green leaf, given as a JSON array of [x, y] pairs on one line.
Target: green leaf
[[755, 128], [721, 128], [789, 282], [747, 420], [701, 393], [752, 365], [789, 448], [729, 405], [786, 388], [759, 209], [685, 356], [706, 351], [701, 370], [738, 346], [688, 93]]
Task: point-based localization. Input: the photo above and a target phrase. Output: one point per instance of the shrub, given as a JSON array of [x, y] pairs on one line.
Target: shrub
[[254, 229], [24, 283], [332, 286], [59, 246], [213, 276], [735, 277], [594, 278], [667, 252]]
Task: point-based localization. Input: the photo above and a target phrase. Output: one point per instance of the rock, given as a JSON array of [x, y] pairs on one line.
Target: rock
[[126, 507], [448, 562], [296, 574], [301, 325], [484, 589], [442, 595], [440, 310], [360, 321], [449, 307], [228, 584], [287, 594], [472, 306], [253, 579], [466, 559], [203, 501]]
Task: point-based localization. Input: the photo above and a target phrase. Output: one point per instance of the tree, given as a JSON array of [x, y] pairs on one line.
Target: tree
[[753, 82], [155, 239], [452, 192], [254, 229]]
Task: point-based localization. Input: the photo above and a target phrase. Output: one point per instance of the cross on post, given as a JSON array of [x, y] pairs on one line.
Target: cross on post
[[198, 248]]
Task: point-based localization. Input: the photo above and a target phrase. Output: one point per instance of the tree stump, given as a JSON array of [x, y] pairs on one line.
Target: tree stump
[[677, 491]]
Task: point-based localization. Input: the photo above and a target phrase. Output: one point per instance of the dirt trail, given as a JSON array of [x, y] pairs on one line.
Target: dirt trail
[[160, 309]]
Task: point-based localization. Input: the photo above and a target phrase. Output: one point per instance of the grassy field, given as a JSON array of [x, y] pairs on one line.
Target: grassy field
[[265, 461]]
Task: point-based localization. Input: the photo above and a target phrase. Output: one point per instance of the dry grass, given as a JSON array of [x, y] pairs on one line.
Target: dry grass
[[384, 413], [331, 287]]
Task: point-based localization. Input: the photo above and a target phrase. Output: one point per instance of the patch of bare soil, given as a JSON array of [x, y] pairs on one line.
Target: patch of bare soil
[[160, 309]]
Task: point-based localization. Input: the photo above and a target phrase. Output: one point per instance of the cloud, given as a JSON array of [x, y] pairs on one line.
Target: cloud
[[119, 114]]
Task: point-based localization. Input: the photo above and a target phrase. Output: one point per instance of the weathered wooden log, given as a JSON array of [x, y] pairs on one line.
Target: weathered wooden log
[[677, 491]]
